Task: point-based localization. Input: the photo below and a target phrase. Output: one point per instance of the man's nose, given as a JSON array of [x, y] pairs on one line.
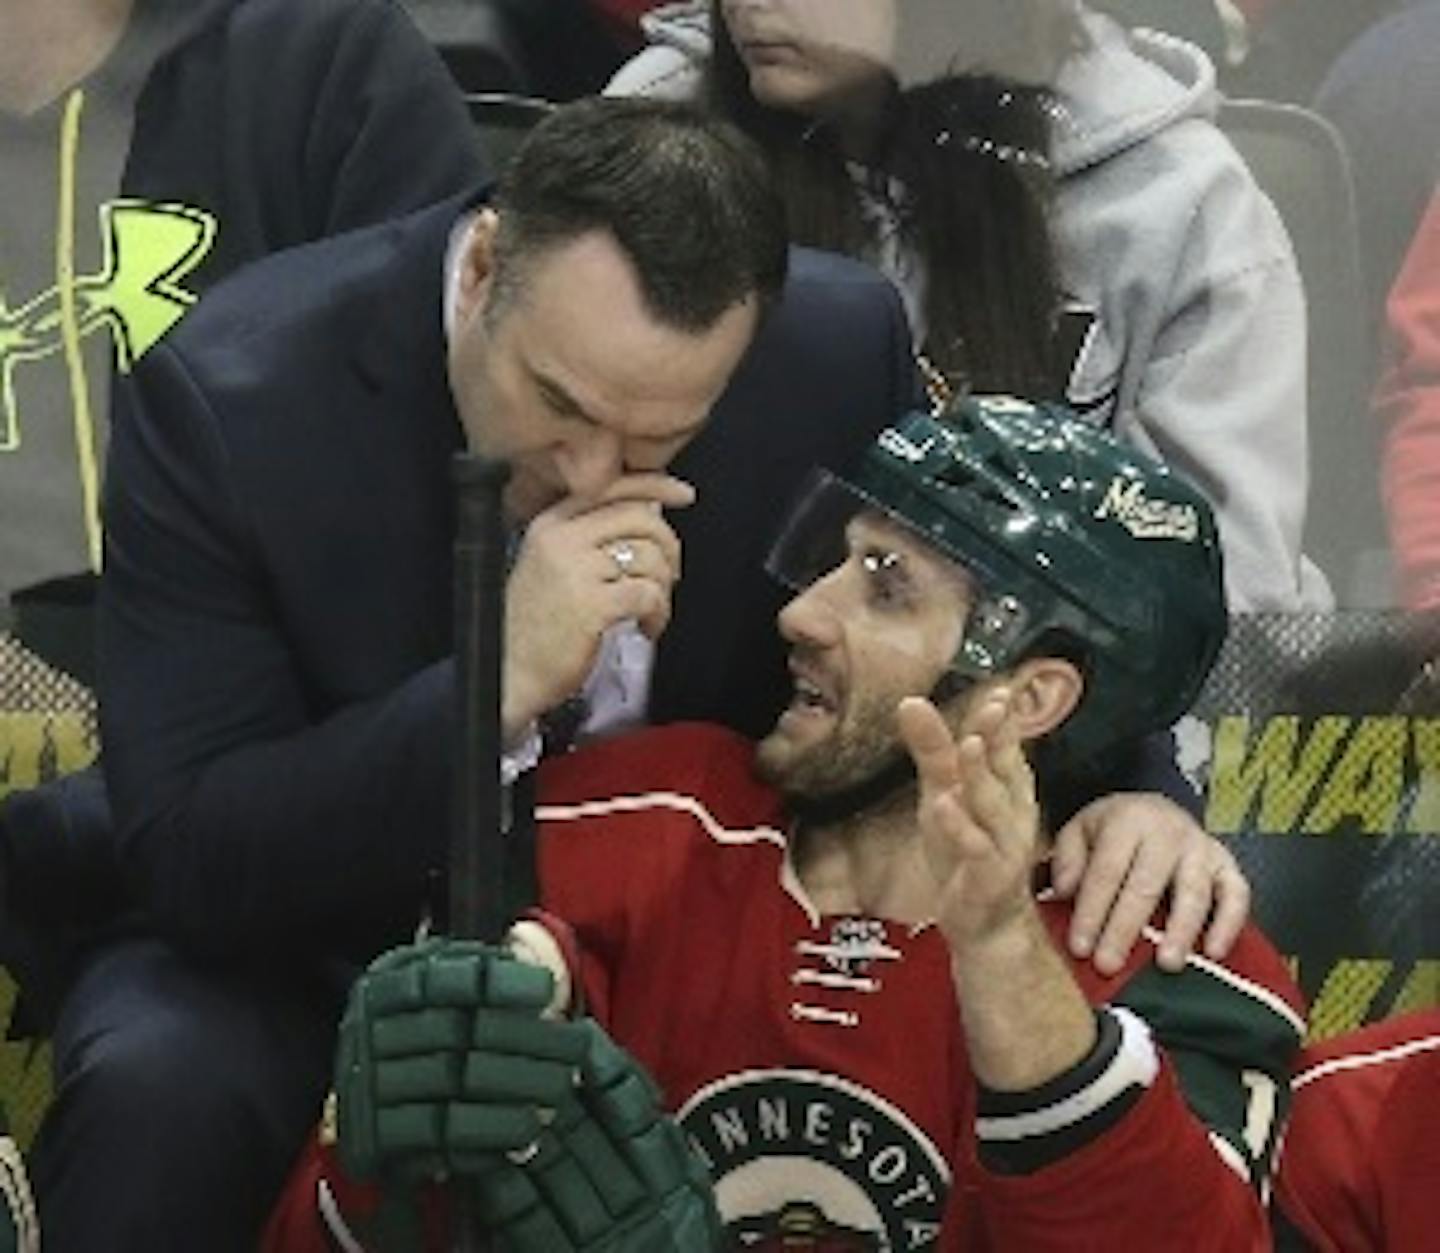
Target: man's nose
[[812, 617], [589, 463]]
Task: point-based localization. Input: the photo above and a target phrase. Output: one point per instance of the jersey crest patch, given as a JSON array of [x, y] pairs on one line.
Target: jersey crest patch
[[855, 943], [812, 1163]]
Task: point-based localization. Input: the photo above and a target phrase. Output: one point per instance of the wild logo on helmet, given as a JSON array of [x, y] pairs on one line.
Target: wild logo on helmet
[[1145, 518]]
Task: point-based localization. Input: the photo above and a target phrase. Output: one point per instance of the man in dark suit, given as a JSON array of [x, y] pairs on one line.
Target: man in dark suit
[[275, 635], [280, 474], [276, 614]]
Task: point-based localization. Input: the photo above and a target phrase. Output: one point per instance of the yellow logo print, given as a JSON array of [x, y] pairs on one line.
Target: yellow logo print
[[149, 250], [36, 747]]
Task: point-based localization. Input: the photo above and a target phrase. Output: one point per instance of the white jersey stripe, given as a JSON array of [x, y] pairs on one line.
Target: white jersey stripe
[[836, 982], [1135, 1064], [1231, 1156], [334, 1223], [1358, 1060], [716, 830], [1251, 989]]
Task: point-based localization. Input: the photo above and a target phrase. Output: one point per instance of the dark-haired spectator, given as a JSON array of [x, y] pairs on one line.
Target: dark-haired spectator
[[1185, 329]]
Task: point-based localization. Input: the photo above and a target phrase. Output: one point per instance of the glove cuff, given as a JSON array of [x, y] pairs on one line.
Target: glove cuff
[[539, 938]]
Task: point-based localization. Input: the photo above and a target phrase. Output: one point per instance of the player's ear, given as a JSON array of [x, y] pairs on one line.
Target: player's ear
[[1044, 691], [477, 264]]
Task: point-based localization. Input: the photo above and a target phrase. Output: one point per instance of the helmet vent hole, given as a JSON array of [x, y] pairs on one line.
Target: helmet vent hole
[[956, 475], [959, 477]]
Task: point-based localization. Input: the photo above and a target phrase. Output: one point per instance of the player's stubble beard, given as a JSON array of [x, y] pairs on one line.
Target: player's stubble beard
[[861, 743], [860, 763]]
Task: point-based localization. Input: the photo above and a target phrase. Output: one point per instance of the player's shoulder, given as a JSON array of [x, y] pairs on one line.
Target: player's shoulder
[[653, 831], [1255, 960], [1361, 1130], [1249, 992], [1247, 1003], [665, 816], [691, 765]]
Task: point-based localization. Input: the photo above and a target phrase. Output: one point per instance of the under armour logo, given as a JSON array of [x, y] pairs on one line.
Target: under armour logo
[[149, 249]]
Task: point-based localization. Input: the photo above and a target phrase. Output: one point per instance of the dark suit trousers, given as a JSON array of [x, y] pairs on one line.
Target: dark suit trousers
[[182, 1098]]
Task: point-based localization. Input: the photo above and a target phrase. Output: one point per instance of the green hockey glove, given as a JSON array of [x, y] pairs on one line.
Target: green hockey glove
[[611, 1174], [444, 1060]]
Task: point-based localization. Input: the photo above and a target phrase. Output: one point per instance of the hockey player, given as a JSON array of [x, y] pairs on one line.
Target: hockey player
[[1361, 1158], [829, 951]]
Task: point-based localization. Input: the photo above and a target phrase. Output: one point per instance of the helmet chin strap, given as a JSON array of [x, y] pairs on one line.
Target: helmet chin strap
[[895, 773]]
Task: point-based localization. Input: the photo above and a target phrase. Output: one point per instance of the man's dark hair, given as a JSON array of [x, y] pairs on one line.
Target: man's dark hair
[[971, 153], [687, 197]]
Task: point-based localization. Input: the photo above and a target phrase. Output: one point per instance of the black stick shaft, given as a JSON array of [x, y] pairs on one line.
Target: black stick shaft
[[476, 880], [476, 886]]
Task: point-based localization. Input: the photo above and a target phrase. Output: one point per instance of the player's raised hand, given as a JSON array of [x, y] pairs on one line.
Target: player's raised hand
[[978, 818], [583, 566]]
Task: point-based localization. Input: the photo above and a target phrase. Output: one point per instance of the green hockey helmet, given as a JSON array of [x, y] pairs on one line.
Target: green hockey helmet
[[1076, 544]]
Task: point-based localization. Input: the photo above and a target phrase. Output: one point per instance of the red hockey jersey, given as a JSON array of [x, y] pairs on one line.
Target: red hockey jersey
[[818, 1064], [1362, 1159]]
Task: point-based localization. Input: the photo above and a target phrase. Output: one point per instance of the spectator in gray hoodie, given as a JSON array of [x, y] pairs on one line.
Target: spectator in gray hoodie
[[1182, 324]]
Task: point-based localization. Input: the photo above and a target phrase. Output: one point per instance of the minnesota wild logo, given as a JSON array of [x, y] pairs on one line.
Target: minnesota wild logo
[[807, 1162]]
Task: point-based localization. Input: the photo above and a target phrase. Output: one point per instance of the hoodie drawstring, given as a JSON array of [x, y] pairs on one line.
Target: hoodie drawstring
[[70, 325]]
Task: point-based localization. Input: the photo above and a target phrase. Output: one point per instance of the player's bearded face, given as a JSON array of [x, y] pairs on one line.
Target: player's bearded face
[[883, 625]]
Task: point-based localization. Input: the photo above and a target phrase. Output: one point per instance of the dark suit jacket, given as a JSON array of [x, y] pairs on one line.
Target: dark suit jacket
[[275, 615]]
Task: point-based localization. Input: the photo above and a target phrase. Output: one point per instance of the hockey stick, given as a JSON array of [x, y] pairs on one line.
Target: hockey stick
[[476, 892]]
